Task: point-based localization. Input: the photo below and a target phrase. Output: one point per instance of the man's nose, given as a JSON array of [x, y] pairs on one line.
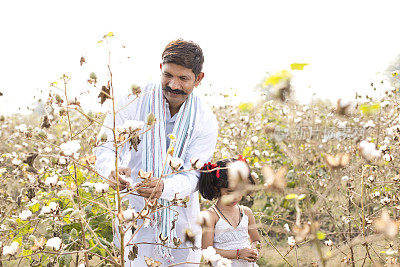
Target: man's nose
[[174, 84]]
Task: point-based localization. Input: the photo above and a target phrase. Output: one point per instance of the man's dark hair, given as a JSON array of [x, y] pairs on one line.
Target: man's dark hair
[[187, 54]]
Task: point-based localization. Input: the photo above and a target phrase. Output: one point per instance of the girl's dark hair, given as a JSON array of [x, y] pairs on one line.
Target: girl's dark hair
[[187, 54], [210, 184]]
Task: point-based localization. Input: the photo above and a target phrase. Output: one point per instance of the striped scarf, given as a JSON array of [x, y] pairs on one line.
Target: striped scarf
[[155, 152]]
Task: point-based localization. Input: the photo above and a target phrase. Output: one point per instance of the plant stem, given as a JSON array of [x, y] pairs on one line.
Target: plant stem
[[75, 174]]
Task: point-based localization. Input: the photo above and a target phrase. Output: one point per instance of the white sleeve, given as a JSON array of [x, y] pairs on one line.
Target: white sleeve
[[202, 146], [105, 153]]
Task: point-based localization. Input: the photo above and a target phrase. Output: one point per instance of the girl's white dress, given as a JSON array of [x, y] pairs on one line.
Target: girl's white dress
[[229, 238]]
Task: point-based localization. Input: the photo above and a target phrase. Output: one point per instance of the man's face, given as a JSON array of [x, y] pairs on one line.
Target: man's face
[[177, 83]]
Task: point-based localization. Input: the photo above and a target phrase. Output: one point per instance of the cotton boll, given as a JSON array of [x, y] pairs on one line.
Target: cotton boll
[[101, 187], [53, 206], [129, 215], [368, 151], [25, 215], [44, 161], [175, 163], [16, 161], [51, 180], [211, 256], [291, 241], [385, 201], [71, 147], [62, 160], [370, 124], [46, 210], [387, 157], [256, 152], [60, 183], [54, 243], [208, 253], [345, 178], [11, 250], [224, 262], [21, 128]]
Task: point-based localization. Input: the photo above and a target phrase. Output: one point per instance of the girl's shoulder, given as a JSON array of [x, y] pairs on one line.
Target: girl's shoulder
[[213, 215]]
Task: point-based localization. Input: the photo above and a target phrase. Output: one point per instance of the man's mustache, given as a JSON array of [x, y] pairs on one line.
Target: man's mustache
[[177, 91]]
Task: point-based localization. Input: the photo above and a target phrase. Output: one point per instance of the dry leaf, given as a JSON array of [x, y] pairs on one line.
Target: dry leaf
[[274, 181], [301, 232], [104, 94], [39, 244], [45, 122], [82, 60], [151, 262], [145, 175], [338, 161], [177, 241], [133, 253], [90, 159], [30, 158], [386, 226]]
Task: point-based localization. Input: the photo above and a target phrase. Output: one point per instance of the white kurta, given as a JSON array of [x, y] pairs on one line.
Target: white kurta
[[202, 145]]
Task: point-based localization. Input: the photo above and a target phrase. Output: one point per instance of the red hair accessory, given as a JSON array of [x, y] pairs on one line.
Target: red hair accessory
[[241, 158], [206, 165], [211, 167]]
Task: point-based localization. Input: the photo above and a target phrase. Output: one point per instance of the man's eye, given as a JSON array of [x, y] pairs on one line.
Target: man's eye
[[184, 78], [167, 75]]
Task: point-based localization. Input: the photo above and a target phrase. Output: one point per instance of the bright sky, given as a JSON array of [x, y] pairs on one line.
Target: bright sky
[[345, 42]]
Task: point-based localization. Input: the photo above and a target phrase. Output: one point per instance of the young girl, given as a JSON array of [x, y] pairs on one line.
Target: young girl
[[232, 230]]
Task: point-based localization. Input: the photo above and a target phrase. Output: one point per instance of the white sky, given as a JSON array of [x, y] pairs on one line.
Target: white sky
[[345, 42]]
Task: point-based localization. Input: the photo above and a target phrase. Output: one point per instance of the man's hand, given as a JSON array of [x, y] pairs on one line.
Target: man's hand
[[150, 186], [122, 182]]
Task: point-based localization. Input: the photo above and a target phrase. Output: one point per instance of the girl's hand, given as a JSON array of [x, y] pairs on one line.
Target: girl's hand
[[248, 254]]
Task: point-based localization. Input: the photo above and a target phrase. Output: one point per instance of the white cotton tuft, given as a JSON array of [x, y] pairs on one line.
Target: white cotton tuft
[[54, 243], [71, 147], [25, 215], [51, 180], [11, 250], [101, 187], [175, 163]]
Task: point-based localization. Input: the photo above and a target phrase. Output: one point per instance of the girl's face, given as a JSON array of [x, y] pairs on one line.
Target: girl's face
[[236, 195]]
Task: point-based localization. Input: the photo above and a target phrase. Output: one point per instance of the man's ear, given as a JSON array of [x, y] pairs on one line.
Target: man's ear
[[160, 66], [199, 78]]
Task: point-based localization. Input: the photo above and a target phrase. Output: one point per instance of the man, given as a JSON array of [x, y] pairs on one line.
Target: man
[[180, 112]]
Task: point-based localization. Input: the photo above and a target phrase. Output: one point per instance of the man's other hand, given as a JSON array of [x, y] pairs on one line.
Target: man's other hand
[[147, 189], [122, 182]]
